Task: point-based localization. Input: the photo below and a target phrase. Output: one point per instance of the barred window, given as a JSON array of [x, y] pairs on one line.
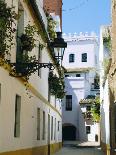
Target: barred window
[[84, 57], [17, 116], [88, 129], [71, 57], [69, 102]]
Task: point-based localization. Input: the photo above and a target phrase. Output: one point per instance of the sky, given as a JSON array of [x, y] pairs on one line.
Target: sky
[[85, 15]]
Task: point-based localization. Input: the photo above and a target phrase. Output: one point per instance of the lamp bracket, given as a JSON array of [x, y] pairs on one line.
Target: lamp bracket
[[24, 69]]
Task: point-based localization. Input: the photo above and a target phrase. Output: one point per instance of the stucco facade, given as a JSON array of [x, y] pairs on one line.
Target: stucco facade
[[31, 123], [104, 55], [112, 79]]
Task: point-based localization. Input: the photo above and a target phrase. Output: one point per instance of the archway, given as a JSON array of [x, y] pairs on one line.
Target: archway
[[69, 132]]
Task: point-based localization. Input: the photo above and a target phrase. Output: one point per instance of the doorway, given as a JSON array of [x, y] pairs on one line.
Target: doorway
[[69, 132]]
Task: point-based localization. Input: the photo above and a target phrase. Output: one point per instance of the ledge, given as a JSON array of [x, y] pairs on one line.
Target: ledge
[[86, 69], [86, 101]]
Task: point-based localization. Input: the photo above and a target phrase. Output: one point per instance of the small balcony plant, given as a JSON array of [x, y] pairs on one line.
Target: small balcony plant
[[26, 64]]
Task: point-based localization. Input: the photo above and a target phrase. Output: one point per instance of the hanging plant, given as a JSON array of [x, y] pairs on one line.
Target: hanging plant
[[27, 39], [7, 19], [51, 27], [106, 65], [27, 42], [56, 86], [107, 42], [95, 110], [107, 38], [26, 64]]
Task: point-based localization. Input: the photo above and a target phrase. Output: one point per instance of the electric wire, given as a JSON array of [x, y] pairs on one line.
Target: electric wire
[[76, 7]]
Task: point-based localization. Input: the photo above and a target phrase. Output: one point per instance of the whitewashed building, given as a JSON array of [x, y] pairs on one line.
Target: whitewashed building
[[81, 81], [31, 122]]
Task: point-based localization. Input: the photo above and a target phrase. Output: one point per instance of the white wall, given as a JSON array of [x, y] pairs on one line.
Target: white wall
[[104, 94], [34, 97], [78, 46], [93, 131], [74, 86], [79, 87]]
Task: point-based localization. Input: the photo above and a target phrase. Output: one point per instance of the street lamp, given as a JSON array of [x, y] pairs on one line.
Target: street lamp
[[25, 68], [59, 46]]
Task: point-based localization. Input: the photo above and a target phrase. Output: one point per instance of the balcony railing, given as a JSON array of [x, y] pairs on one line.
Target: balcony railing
[[95, 86]]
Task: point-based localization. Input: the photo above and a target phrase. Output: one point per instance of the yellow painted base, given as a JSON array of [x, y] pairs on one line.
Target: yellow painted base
[[55, 147], [105, 148], [42, 150]]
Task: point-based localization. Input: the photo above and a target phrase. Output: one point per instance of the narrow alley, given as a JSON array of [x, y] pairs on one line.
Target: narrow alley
[[57, 77]]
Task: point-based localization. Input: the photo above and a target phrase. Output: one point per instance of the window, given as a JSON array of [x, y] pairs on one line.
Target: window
[[84, 57], [69, 102], [58, 125], [43, 133], [66, 75], [78, 75], [71, 57], [38, 123], [20, 28], [88, 128], [55, 129], [39, 59], [51, 127], [17, 116]]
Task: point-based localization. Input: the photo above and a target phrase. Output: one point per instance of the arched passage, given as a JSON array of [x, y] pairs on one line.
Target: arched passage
[[68, 132]]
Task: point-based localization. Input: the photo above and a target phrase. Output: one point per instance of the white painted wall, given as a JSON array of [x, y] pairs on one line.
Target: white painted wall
[[30, 101], [80, 87], [104, 93], [93, 131], [77, 47]]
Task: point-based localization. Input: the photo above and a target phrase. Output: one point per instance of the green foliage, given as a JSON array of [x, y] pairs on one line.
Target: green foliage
[[106, 65], [27, 64], [51, 27], [7, 19], [27, 39], [56, 86], [95, 110], [107, 42], [27, 42]]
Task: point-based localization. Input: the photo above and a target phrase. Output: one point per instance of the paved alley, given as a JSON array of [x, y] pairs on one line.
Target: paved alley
[[80, 148], [80, 151]]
